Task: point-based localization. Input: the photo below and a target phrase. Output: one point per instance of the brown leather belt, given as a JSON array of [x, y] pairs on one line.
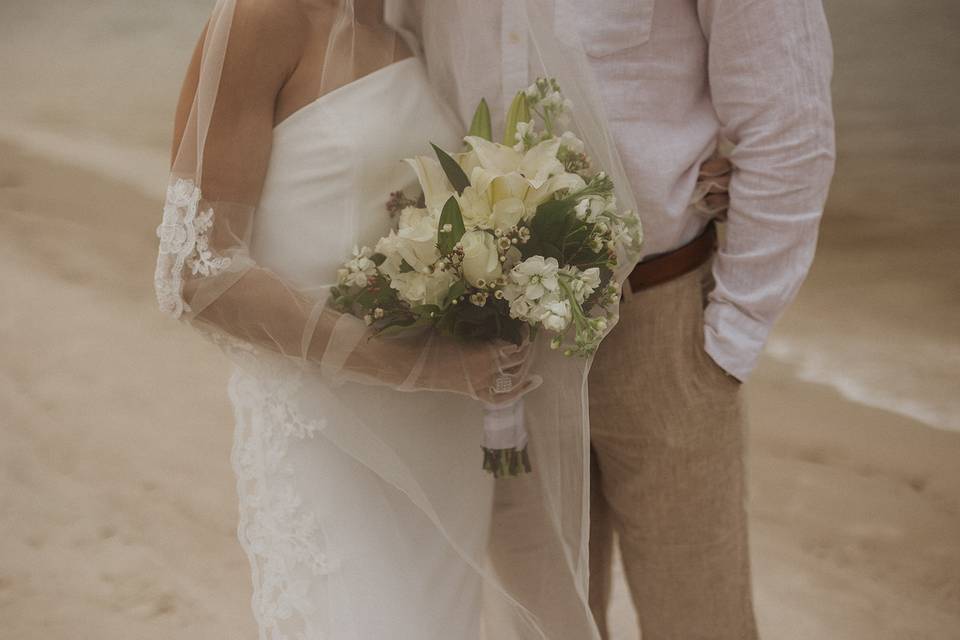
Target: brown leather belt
[[667, 266]]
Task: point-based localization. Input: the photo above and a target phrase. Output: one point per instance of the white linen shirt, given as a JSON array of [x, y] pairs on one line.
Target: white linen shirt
[[674, 77]]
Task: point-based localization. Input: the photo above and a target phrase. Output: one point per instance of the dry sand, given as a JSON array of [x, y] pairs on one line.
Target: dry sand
[[117, 504]]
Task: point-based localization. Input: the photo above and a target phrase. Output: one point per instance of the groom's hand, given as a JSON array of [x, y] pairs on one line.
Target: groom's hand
[[714, 177]]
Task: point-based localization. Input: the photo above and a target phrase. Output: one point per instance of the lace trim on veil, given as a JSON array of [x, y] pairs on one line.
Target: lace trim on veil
[[184, 243]]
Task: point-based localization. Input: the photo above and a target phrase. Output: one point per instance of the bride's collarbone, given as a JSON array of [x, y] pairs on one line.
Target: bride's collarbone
[[314, 75]]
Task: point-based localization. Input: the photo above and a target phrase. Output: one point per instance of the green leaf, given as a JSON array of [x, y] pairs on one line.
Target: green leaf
[[451, 215], [553, 208], [480, 126], [395, 327], [452, 168], [518, 112], [550, 229]]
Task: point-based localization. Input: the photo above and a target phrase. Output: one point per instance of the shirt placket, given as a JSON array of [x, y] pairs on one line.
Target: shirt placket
[[514, 42]]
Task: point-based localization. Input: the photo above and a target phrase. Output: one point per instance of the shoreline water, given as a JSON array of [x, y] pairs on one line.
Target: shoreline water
[[815, 367]]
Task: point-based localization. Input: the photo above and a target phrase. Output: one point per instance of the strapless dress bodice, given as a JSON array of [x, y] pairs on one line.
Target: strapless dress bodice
[[334, 164]]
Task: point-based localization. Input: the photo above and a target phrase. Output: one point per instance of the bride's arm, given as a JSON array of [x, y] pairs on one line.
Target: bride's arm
[[224, 290]]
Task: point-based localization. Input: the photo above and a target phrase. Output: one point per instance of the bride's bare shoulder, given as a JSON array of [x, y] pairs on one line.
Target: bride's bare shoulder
[[275, 29]]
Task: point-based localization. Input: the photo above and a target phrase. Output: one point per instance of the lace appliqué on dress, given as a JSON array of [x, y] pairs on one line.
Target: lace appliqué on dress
[[284, 542], [184, 243]]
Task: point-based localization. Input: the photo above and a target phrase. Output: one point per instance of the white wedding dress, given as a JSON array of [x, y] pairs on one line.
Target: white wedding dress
[[338, 551], [364, 508]]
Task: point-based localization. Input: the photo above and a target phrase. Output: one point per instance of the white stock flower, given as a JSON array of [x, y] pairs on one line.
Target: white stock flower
[[481, 260], [536, 275], [556, 315], [581, 283], [591, 279], [520, 307], [591, 209]]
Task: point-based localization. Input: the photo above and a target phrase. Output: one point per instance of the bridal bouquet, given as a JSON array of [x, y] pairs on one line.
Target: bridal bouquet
[[507, 239]]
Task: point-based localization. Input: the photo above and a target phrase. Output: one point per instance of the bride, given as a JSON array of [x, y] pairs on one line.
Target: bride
[[364, 510]]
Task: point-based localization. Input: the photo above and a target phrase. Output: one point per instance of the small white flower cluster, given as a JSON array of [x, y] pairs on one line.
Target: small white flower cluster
[[376, 314], [358, 271]]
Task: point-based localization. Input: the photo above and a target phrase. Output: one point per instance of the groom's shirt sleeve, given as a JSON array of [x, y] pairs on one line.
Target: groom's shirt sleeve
[[770, 63]]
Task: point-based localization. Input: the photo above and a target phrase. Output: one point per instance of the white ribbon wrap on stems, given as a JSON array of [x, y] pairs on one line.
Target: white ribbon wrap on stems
[[505, 440]]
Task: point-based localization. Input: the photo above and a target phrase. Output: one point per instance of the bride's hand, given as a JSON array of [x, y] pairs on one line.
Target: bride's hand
[[496, 372], [500, 372]]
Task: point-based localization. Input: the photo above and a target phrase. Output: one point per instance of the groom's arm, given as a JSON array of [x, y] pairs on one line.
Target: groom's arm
[[770, 64]]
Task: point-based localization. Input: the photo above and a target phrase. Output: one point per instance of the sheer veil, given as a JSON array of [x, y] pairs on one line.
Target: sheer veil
[[316, 376]]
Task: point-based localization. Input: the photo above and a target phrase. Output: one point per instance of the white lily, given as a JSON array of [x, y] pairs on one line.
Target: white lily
[[499, 199], [536, 165], [436, 188]]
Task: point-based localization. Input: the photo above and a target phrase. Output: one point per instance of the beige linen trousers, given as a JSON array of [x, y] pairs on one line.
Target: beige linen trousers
[[668, 439]]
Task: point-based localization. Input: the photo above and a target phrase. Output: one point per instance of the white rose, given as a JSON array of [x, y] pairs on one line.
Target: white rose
[[418, 238], [481, 261], [422, 288], [389, 246]]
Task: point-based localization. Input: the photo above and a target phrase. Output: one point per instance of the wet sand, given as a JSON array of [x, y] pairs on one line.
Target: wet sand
[[117, 503]]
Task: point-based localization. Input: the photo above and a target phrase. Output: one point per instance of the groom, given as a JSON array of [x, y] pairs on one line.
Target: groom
[[667, 422]]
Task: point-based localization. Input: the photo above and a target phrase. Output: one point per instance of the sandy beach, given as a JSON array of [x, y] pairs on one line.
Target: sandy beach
[[117, 502]]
